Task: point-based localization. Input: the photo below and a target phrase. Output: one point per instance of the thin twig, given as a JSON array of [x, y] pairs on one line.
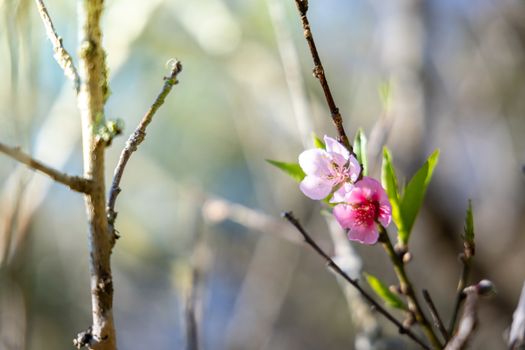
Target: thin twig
[[469, 250], [76, 183], [192, 335], [435, 315], [302, 6], [308, 239], [135, 140], [61, 55], [407, 289], [460, 296]]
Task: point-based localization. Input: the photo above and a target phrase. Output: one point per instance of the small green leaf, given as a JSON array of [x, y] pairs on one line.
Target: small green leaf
[[414, 193], [385, 94], [292, 169], [389, 181], [391, 299], [318, 143], [469, 224], [360, 150]]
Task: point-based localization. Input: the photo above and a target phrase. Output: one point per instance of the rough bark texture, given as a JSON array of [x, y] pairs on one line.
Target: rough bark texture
[[92, 95]]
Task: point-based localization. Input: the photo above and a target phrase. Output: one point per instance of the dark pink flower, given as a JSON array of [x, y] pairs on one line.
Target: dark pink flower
[[326, 169], [363, 206]]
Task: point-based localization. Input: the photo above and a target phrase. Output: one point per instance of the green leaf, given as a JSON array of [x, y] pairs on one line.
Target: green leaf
[[469, 224], [360, 150], [391, 299], [389, 181], [413, 195], [292, 169], [318, 143]]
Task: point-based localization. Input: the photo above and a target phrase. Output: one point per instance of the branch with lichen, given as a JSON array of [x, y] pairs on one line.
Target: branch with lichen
[[62, 56], [76, 183], [91, 99], [134, 140]]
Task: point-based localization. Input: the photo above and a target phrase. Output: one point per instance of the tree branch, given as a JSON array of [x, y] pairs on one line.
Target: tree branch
[[466, 261], [62, 57], [135, 140], [91, 99], [468, 321], [331, 264], [190, 312], [407, 289], [435, 315], [76, 183], [302, 6]]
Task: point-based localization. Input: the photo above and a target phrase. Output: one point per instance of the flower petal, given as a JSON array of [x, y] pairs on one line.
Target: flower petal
[[371, 189], [315, 187], [315, 162], [354, 167], [385, 214], [345, 215], [357, 195], [364, 234], [333, 146], [341, 193]]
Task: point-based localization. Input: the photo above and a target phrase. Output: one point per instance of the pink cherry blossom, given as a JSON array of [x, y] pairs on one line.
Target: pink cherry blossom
[[362, 207], [327, 169]]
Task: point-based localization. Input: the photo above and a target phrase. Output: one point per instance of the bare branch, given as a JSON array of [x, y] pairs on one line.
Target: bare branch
[[331, 264], [62, 57], [466, 261], [192, 335], [136, 139], [76, 183], [302, 7], [435, 315]]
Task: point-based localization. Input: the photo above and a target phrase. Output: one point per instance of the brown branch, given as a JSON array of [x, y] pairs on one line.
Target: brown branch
[[62, 57], [76, 183], [192, 335], [331, 264], [435, 315], [302, 6], [91, 99], [135, 140], [466, 261], [468, 322], [407, 289]]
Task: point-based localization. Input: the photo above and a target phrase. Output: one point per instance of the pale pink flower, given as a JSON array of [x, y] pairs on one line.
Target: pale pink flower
[[364, 206], [327, 168]]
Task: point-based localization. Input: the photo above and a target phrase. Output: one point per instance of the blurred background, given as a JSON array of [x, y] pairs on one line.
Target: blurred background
[[199, 215]]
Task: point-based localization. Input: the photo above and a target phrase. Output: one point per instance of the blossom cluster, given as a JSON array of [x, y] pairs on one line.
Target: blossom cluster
[[360, 201]]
